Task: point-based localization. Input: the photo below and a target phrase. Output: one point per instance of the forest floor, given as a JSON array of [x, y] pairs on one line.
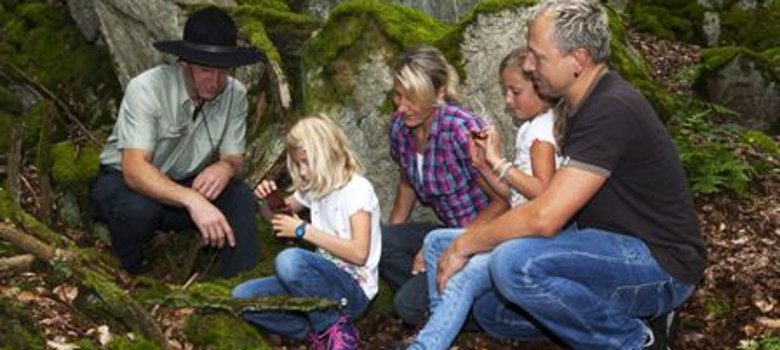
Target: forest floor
[[738, 301]]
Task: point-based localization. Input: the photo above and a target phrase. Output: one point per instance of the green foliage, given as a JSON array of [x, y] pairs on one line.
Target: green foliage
[[9, 103], [674, 20], [713, 157], [74, 166], [17, 329], [767, 342], [222, 332], [120, 342], [757, 29], [717, 307]]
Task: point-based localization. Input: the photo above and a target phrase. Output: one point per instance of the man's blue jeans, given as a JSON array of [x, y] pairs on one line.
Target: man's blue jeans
[[302, 273], [450, 308], [590, 288]]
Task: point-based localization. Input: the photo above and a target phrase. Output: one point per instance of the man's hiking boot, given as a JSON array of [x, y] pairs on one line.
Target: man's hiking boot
[[664, 329]]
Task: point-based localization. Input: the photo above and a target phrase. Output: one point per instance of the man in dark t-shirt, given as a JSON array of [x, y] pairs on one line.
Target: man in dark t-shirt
[[614, 241]]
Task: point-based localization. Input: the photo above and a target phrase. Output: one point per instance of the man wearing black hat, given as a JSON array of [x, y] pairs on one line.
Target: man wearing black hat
[[175, 153]]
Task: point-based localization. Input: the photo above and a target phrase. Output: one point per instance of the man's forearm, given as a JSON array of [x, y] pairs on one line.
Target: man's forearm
[[236, 163], [146, 179]]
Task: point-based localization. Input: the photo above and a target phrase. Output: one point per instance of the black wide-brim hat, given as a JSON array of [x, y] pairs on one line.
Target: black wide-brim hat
[[210, 39]]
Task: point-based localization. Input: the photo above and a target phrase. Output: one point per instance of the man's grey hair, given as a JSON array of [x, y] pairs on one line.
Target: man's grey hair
[[577, 23]]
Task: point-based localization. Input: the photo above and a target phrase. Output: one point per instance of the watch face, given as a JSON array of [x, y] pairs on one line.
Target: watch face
[[300, 230]]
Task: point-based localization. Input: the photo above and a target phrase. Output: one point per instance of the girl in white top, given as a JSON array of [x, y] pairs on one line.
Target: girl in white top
[[535, 162], [344, 228]]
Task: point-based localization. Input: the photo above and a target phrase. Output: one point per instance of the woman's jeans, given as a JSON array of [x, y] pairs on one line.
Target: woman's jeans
[[590, 288], [302, 273], [450, 308]]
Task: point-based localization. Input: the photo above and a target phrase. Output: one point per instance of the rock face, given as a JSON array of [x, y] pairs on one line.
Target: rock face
[[485, 43], [748, 88], [445, 10], [130, 27], [365, 113], [83, 13]]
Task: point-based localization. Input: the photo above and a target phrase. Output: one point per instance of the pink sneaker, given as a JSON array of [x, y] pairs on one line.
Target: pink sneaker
[[341, 335], [316, 342]]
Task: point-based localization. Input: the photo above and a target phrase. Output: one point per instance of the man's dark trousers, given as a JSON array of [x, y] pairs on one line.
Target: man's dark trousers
[[133, 219]]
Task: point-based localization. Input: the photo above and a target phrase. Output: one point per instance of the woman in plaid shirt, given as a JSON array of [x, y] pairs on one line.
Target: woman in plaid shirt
[[430, 135]]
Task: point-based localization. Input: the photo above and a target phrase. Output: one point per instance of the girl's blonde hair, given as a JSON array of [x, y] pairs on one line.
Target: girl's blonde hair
[[514, 60], [422, 72], [331, 159]]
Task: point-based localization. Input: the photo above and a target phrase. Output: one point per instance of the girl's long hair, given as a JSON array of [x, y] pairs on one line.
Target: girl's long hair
[[332, 162]]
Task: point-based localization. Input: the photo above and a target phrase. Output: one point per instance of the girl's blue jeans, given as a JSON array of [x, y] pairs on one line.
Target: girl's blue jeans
[[590, 288], [302, 273], [450, 308]]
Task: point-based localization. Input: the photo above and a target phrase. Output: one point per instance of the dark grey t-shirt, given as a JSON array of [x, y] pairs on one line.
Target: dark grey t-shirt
[[615, 132]]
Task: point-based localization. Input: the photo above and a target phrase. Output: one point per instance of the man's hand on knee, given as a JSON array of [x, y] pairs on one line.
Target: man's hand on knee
[[212, 224], [213, 180]]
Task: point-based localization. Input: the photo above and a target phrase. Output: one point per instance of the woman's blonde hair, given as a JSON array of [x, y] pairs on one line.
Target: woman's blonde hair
[[514, 60], [331, 159], [422, 72]]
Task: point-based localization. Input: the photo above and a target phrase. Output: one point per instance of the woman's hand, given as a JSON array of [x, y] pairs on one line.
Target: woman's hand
[[265, 188]]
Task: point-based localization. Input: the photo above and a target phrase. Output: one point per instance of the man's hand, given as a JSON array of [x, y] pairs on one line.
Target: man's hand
[[213, 180], [284, 225], [213, 226], [418, 265], [450, 262]]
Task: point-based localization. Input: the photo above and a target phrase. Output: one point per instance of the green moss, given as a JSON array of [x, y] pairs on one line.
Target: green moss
[[674, 20], [74, 166], [222, 332], [402, 25], [9, 102], [762, 142], [261, 21], [17, 329], [757, 29], [712, 60], [40, 38], [717, 307]]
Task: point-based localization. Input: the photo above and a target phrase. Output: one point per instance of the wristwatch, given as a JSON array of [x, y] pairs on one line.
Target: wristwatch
[[300, 230]]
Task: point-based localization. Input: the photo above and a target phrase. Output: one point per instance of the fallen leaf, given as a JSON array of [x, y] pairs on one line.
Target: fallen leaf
[[61, 346]]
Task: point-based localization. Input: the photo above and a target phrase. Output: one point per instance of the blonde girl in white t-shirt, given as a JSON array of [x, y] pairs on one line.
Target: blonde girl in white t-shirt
[[344, 227], [518, 181]]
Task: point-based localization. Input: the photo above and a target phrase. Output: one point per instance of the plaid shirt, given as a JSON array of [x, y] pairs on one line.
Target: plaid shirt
[[449, 181]]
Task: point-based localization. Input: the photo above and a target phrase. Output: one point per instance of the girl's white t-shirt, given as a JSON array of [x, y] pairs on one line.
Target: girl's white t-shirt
[[539, 128], [331, 214]]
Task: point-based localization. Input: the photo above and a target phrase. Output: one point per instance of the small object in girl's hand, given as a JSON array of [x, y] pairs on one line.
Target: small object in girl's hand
[[276, 203], [481, 134]]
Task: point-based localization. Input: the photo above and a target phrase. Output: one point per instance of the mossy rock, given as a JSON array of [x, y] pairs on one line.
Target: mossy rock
[[757, 29], [74, 165], [220, 331], [270, 24], [348, 21], [669, 19], [17, 328]]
